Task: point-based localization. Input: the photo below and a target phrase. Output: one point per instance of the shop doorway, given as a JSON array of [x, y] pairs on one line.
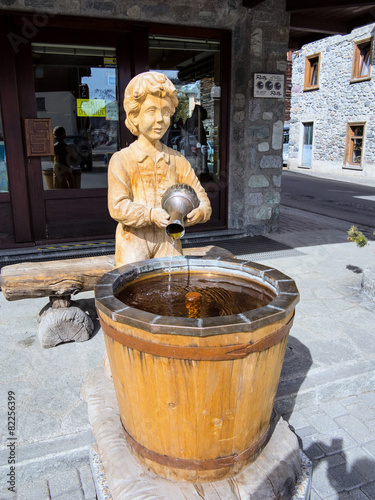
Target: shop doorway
[[75, 87]]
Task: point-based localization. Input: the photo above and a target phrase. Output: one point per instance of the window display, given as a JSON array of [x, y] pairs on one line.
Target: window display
[[194, 68], [76, 87]]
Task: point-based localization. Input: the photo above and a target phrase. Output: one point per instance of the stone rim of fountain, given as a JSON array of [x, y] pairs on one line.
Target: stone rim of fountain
[[284, 302]]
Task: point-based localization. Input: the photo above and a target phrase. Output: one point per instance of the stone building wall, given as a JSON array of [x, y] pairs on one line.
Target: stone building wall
[[259, 44], [336, 103]]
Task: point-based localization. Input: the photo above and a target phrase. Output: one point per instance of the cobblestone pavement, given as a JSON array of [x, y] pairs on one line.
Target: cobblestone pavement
[[326, 390], [329, 365]]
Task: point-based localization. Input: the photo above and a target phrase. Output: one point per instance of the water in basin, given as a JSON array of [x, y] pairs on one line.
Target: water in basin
[[221, 294]]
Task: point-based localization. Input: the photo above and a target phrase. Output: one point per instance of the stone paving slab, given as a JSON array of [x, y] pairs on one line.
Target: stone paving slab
[[333, 408], [36, 490]]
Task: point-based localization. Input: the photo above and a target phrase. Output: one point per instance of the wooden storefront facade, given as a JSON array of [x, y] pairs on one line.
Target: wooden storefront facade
[[32, 47]]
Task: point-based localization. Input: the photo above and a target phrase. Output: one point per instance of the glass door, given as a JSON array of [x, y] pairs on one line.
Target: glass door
[[76, 87], [307, 144], [195, 66]]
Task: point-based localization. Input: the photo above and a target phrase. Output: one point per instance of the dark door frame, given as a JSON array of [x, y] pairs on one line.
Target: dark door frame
[[15, 203]]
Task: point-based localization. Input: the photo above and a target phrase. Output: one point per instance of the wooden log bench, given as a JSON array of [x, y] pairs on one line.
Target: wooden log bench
[[61, 320]]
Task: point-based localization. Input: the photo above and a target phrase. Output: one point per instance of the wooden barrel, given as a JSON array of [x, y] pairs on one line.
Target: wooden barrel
[[196, 395]]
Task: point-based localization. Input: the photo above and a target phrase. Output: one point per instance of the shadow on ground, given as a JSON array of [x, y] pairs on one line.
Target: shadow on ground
[[297, 363], [341, 473]]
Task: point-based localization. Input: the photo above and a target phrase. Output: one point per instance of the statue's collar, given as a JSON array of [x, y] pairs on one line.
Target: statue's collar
[[141, 155]]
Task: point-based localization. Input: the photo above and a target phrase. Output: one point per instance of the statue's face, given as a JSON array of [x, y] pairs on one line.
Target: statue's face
[[154, 117]]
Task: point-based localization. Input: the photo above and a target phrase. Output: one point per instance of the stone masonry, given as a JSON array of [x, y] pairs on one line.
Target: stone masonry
[[332, 106], [259, 44]]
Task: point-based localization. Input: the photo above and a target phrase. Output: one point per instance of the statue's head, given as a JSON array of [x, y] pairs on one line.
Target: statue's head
[[141, 86]]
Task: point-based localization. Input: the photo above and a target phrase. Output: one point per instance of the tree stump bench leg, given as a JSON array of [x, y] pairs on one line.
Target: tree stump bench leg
[[61, 322]]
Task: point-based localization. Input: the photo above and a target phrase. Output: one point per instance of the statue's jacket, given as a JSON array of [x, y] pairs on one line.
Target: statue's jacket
[[136, 184]]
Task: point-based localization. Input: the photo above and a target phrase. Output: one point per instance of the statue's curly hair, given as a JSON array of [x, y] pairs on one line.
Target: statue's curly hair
[[142, 85]]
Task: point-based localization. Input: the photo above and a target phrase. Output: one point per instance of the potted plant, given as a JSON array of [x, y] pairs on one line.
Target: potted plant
[[368, 277]]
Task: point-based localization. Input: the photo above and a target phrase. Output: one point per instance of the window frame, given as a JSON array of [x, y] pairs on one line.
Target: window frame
[[309, 69], [355, 77], [349, 142]]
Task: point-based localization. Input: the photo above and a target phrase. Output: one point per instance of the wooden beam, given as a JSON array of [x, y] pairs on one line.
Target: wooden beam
[[69, 276], [251, 3], [324, 4], [310, 24], [362, 20], [56, 277]]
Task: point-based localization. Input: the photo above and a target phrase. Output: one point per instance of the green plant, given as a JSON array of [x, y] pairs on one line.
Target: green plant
[[359, 238]]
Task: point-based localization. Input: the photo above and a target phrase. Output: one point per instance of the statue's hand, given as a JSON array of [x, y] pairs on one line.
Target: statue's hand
[[195, 216], [160, 217]]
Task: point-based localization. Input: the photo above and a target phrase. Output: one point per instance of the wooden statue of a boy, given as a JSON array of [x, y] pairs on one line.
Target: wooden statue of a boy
[[139, 175]]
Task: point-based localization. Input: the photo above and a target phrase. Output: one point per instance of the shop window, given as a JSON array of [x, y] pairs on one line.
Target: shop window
[[4, 188], [362, 58], [354, 145], [41, 103], [76, 86], [194, 68], [312, 69]]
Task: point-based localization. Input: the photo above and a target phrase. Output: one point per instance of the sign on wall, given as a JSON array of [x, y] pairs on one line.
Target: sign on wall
[[267, 85], [39, 137]]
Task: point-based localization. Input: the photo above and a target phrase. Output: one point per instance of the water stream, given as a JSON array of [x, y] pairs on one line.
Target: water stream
[[170, 266]]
